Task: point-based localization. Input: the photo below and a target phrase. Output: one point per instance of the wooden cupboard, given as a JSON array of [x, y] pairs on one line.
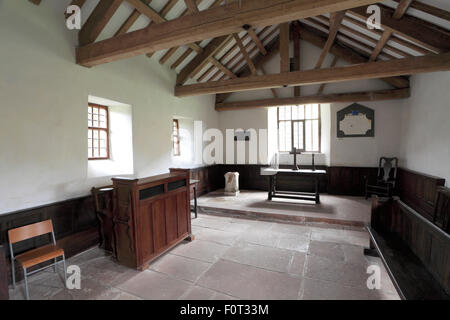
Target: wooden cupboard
[[151, 216]]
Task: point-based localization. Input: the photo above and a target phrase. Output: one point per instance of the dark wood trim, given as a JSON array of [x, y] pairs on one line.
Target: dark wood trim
[[419, 191], [4, 292]]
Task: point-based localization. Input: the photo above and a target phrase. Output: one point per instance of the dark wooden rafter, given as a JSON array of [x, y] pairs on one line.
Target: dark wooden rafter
[[284, 48], [36, 2], [434, 11], [345, 52], [323, 21], [97, 21], [273, 47], [370, 70], [378, 95], [207, 24], [234, 60], [244, 53], [172, 51], [295, 35], [335, 23], [237, 61], [194, 66], [192, 6], [398, 14], [400, 41], [257, 41], [130, 20], [419, 31], [146, 10]]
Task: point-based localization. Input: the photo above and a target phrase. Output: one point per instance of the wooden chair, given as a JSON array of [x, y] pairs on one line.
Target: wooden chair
[[36, 256], [386, 178]]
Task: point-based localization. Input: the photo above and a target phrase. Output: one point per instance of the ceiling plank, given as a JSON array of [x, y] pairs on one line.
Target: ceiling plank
[[244, 53], [379, 95], [345, 53], [411, 28], [257, 41], [335, 22], [207, 24], [97, 21], [284, 48], [370, 70]]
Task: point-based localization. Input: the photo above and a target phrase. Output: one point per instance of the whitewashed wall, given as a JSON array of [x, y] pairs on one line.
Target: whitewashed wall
[[425, 126], [43, 107]]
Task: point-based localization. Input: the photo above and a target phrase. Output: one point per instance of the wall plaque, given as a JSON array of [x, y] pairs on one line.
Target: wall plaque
[[356, 121]]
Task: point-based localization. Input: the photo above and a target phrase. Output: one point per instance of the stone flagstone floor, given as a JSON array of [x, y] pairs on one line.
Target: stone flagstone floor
[[230, 259]]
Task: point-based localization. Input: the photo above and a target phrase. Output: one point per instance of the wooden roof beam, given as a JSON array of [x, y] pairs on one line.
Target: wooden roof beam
[[413, 29], [378, 95], [335, 22], [370, 70], [345, 52], [97, 21], [207, 24]]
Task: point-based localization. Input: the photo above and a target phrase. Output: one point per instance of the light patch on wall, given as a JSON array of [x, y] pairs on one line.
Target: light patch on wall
[[121, 141]]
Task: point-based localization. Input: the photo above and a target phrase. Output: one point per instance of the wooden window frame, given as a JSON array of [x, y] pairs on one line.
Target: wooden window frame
[[108, 156], [176, 145], [319, 118]]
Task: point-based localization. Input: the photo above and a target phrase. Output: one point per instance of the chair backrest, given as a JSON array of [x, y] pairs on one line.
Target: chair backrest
[[387, 169], [30, 231]]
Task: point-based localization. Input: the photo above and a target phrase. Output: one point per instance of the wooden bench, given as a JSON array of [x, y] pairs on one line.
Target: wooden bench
[[415, 252]]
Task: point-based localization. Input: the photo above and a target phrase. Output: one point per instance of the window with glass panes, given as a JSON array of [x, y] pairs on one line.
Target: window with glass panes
[[98, 132], [176, 137], [299, 127]]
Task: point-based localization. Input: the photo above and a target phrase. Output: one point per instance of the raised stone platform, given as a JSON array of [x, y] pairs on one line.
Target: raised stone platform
[[353, 212]]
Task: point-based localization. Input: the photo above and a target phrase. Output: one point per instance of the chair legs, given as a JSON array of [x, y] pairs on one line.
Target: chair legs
[[27, 294], [65, 270], [13, 273]]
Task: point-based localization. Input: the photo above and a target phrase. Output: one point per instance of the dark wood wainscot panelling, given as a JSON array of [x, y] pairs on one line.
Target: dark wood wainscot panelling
[[442, 210], [349, 180], [151, 216], [419, 191], [207, 177], [4, 293], [75, 223]]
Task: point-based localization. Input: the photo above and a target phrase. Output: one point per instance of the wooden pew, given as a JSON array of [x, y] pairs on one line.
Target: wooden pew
[[415, 251]]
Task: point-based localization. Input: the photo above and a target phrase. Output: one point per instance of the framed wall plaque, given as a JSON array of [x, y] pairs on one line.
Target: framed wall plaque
[[355, 121]]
